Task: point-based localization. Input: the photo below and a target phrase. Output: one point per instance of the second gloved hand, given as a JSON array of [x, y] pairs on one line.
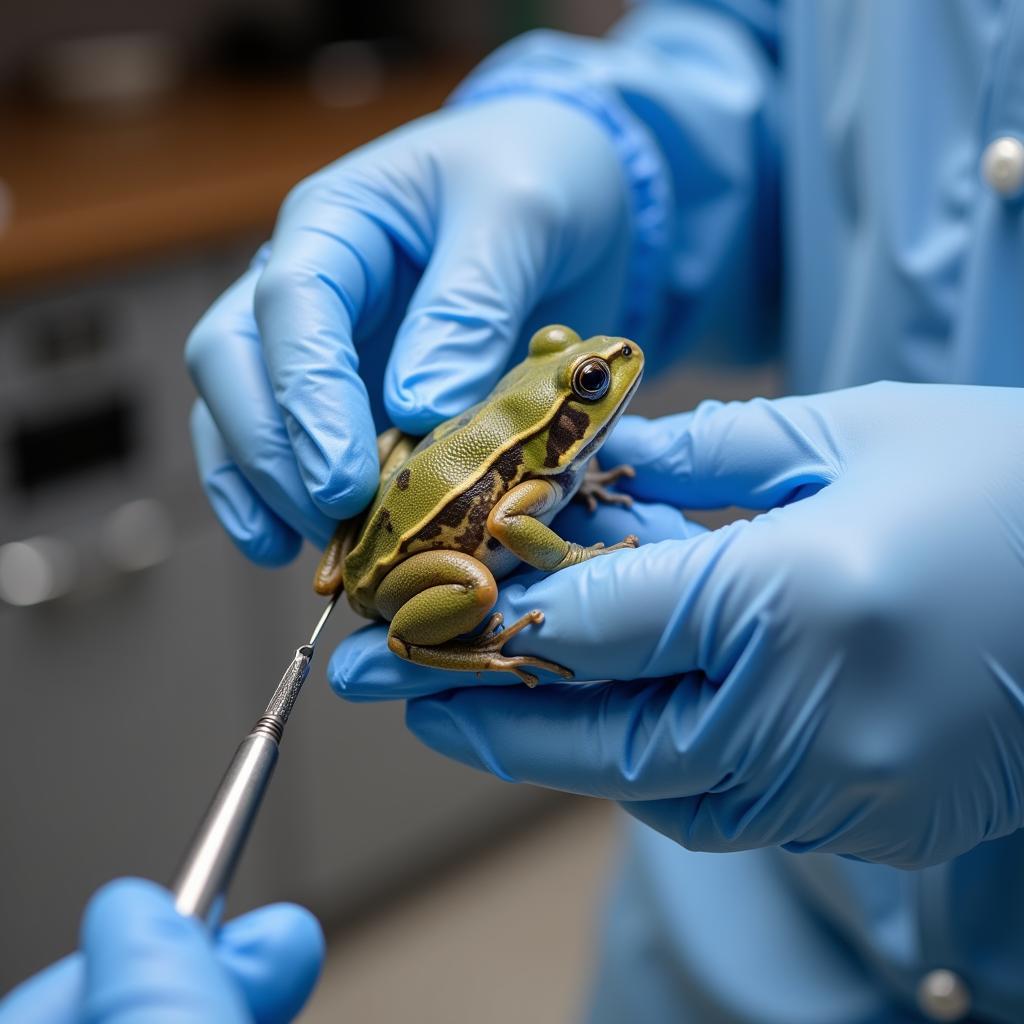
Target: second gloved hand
[[843, 673], [141, 962]]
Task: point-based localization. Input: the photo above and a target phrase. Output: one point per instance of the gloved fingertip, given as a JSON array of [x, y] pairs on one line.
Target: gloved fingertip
[[126, 895], [363, 669], [637, 439], [340, 473], [271, 550], [285, 925], [419, 403], [343, 494], [251, 524], [436, 722], [53, 996], [352, 659], [125, 917], [260, 535], [275, 954], [419, 397], [416, 418]]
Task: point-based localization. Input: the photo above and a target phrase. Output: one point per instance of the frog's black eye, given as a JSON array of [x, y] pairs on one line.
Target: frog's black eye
[[591, 379]]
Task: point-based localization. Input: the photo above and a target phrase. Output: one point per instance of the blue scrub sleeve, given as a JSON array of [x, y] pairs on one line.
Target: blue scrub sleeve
[[688, 94]]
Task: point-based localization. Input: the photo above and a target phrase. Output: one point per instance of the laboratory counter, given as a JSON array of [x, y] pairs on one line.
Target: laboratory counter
[[83, 192]]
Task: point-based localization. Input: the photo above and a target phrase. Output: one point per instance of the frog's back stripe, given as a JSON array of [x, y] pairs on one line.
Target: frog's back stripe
[[449, 489]]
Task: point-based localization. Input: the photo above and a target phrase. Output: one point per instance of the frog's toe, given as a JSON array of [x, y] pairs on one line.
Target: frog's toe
[[493, 626], [398, 646], [491, 645], [481, 652], [517, 665], [615, 498], [630, 541], [527, 677], [594, 489]]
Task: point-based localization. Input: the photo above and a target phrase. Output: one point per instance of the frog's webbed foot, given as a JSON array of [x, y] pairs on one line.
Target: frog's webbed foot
[[577, 553], [594, 489], [483, 652], [490, 643]]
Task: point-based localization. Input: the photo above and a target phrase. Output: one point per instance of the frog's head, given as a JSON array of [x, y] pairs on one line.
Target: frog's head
[[586, 384]]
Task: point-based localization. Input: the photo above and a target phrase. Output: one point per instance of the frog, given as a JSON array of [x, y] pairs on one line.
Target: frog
[[459, 509]]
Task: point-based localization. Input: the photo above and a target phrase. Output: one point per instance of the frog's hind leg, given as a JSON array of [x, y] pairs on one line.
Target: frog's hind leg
[[435, 597], [327, 579]]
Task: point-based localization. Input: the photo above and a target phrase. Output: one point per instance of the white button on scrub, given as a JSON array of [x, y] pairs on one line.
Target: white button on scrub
[[942, 995], [1002, 166]]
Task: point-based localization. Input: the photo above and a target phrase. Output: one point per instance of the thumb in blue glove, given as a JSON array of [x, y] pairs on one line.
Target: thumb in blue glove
[[141, 962], [843, 673]]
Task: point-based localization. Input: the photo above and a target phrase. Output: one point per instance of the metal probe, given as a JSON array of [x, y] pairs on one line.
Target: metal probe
[[209, 864]]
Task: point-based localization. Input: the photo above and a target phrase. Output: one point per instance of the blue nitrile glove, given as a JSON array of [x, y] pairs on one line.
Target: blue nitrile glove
[[396, 288], [141, 962], [843, 673]]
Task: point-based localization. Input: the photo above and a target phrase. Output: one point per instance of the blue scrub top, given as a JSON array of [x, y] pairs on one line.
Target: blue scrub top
[[814, 180]]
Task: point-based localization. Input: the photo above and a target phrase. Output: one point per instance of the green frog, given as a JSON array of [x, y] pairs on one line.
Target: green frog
[[460, 508]]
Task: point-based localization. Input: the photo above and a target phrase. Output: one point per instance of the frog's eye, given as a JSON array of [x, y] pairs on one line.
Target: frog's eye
[[554, 338], [591, 379]]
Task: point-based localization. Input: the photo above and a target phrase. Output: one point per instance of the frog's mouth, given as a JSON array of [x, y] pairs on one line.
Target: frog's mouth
[[591, 447]]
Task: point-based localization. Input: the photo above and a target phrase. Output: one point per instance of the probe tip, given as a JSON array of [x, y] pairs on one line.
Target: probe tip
[[323, 619]]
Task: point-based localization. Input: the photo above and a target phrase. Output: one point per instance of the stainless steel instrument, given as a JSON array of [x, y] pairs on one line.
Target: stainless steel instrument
[[205, 874]]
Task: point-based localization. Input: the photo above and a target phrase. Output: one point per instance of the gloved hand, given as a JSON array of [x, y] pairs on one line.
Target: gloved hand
[[400, 280], [141, 962], [843, 673]]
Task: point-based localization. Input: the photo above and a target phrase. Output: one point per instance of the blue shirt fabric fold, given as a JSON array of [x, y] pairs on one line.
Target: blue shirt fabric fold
[[820, 196]]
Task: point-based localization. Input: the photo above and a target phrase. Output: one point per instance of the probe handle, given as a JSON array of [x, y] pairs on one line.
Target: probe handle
[[210, 862], [205, 874]]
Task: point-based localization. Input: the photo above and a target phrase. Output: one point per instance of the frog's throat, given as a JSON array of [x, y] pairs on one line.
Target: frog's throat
[[593, 446]]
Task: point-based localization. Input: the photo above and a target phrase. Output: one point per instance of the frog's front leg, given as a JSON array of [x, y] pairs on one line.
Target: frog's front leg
[[433, 598], [594, 489], [514, 521]]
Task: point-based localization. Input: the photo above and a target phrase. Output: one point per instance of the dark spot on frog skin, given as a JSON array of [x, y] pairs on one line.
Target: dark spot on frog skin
[[476, 523], [475, 510], [403, 478], [428, 532], [466, 512], [456, 513], [493, 543], [567, 428], [384, 520], [508, 463]]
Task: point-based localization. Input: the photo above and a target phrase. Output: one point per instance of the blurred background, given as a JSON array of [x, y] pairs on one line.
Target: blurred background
[[144, 150]]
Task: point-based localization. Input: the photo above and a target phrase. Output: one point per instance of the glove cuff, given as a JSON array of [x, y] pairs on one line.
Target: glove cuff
[[648, 180]]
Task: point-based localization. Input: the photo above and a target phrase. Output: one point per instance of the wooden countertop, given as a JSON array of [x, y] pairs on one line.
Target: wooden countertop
[[90, 192]]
